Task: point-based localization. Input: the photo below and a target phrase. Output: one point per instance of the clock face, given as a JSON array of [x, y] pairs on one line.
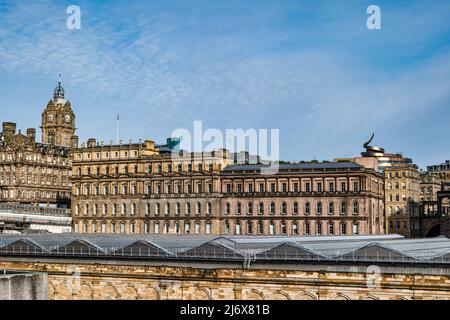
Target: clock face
[[67, 117], [50, 117]]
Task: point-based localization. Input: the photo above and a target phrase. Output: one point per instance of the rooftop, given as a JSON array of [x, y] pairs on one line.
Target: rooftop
[[385, 250], [296, 166]]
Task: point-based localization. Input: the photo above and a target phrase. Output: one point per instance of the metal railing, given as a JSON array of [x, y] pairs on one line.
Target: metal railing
[[246, 258]]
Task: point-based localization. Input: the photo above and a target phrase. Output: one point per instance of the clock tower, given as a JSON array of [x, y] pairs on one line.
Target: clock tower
[[58, 121]]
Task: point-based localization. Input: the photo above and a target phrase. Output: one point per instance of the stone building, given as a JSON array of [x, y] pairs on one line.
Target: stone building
[[302, 199], [138, 188], [144, 188], [402, 188], [36, 174], [140, 267], [402, 198], [441, 171]]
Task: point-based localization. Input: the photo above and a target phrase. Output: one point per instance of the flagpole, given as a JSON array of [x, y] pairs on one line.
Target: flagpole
[[117, 129]]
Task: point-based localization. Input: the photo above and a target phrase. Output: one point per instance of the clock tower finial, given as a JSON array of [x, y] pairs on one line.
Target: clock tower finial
[[59, 90], [58, 120]]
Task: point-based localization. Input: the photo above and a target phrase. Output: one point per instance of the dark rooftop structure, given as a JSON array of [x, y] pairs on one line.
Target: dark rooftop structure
[[234, 251], [296, 166]]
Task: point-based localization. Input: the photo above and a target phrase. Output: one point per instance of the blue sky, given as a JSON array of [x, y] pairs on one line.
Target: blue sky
[[309, 68]]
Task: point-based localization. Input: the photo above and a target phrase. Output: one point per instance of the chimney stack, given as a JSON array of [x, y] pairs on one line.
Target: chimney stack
[[91, 143], [31, 134], [9, 129]]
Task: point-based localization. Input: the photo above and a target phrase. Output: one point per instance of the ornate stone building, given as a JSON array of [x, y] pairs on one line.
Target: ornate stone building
[[137, 188], [143, 188], [58, 121], [34, 174]]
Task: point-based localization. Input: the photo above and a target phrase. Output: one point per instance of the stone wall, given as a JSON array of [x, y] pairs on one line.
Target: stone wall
[[23, 286], [135, 280]]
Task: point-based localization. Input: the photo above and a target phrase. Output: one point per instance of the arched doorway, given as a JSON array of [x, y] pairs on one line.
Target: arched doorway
[[434, 231]]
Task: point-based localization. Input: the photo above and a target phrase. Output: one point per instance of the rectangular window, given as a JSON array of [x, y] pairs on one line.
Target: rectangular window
[[319, 187], [307, 187], [295, 229], [271, 229], [331, 187], [343, 229], [319, 228], [331, 229], [356, 228], [307, 229], [261, 187]]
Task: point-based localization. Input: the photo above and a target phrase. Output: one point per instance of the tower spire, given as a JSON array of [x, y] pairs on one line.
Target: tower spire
[[59, 90]]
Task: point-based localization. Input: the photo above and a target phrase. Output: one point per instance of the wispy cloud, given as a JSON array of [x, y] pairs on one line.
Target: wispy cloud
[[313, 71]]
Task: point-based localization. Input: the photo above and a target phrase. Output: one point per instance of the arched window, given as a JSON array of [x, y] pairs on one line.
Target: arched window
[[272, 208], [250, 208], [319, 207], [284, 208], [167, 208], [307, 208], [157, 208], [355, 207], [343, 207], [188, 208], [331, 208], [261, 208], [208, 208], [295, 208]]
